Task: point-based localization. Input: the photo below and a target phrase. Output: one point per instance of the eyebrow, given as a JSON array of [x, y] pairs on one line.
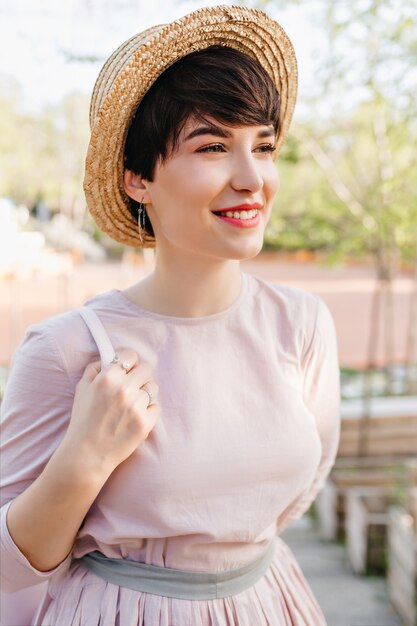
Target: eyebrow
[[212, 129]]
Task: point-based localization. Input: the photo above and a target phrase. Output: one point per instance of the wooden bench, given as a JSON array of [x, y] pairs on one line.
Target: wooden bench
[[387, 427], [330, 504], [372, 452], [366, 528], [402, 563]]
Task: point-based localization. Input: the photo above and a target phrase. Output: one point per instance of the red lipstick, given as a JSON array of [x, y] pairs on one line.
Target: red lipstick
[[240, 222], [240, 207]]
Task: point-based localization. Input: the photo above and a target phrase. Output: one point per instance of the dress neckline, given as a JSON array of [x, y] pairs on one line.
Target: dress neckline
[[186, 320]]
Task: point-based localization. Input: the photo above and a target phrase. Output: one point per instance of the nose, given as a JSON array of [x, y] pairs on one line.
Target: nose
[[246, 173]]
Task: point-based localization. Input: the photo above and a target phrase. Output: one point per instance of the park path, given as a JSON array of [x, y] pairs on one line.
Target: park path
[[346, 599]]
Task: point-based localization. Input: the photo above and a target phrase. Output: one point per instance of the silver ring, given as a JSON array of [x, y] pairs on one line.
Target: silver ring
[[149, 394]]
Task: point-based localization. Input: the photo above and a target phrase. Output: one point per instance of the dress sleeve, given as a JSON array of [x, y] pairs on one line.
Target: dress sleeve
[[34, 416], [321, 390]]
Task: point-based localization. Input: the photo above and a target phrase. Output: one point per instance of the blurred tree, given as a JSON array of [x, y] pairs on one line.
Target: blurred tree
[[42, 155], [361, 134], [71, 141], [347, 168]]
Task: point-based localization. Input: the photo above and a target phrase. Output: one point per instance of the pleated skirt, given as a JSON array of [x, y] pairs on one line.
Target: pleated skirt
[[282, 597]]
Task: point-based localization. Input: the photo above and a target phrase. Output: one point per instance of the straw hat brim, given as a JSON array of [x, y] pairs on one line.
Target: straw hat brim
[[134, 67]]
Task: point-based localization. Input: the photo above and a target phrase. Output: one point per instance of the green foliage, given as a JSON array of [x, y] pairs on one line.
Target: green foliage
[[340, 195], [347, 170], [42, 155], [348, 175]]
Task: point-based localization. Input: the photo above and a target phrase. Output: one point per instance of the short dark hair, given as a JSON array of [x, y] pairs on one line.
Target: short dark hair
[[217, 82]]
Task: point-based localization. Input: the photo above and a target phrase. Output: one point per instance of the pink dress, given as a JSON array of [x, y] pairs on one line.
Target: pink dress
[[248, 433]]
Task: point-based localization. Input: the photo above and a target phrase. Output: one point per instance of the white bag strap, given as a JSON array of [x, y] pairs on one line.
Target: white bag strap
[[99, 333]]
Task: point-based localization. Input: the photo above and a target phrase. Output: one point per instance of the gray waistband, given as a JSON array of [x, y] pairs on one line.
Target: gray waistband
[[174, 583]]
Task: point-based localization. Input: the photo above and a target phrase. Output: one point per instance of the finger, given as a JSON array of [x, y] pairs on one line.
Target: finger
[[125, 359], [149, 419], [91, 371], [139, 375], [153, 413], [151, 391]]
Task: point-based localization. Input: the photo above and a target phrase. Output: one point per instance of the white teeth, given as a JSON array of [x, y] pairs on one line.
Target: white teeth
[[240, 215]]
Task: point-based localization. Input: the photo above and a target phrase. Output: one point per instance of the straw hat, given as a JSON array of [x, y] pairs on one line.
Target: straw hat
[[137, 63]]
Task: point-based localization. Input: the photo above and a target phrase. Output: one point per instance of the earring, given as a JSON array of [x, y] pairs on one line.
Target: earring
[[141, 219]]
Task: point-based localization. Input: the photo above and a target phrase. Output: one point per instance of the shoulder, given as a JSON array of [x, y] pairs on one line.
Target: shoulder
[[63, 342], [286, 297], [298, 314], [295, 306]]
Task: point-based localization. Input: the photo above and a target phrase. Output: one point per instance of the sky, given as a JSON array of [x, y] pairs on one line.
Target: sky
[[37, 39]]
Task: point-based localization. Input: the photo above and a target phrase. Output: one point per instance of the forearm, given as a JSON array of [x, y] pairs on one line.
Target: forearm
[[44, 520], [110, 417]]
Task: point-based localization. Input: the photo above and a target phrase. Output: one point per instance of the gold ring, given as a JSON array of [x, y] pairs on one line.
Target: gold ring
[[149, 394]]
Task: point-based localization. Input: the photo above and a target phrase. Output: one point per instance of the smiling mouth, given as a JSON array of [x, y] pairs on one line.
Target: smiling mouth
[[239, 215], [244, 211]]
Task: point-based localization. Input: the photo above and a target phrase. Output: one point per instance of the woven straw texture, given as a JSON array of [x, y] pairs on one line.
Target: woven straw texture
[[136, 64]]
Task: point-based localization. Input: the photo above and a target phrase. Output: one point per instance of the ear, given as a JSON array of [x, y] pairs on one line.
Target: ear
[[135, 186]]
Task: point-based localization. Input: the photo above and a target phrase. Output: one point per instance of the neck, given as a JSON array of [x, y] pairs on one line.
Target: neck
[[189, 287]]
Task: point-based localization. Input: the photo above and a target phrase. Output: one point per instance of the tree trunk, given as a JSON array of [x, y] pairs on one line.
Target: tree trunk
[[382, 303], [411, 354], [374, 334]]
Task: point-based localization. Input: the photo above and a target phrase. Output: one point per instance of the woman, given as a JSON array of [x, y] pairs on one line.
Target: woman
[[147, 486]]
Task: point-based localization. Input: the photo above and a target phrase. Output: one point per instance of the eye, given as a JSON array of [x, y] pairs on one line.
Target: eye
[[266, 147], [213, 147]]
